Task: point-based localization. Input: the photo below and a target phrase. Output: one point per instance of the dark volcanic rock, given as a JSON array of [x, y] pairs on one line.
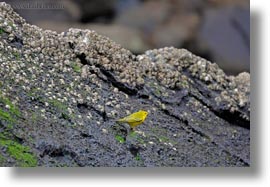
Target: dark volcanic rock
[[61, 94]]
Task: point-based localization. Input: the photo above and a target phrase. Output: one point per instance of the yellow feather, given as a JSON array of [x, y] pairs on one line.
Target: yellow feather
[[134, 119]]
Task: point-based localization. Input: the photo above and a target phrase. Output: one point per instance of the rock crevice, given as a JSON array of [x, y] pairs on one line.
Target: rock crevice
[[70, 88]]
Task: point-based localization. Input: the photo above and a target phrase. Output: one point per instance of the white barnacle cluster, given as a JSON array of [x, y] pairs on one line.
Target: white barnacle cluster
[[165, 65], [70, 67]]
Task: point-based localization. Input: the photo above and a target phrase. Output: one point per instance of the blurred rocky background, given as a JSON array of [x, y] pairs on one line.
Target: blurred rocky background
[[218, 30]]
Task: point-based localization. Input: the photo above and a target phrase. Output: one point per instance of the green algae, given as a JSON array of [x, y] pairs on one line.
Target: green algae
[[9, 114], [58, 105], [12, 108], [75, 66], [16, 55], [2, 160], [61, 108], [135, 136], [138, 157], [22, 154], [6, 116], [119, 138]]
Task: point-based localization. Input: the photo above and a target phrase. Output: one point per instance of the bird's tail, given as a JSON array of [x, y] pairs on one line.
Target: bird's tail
[[123, 120]]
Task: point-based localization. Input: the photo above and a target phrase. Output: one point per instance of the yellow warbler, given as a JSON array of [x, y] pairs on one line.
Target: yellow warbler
[[134, 119]]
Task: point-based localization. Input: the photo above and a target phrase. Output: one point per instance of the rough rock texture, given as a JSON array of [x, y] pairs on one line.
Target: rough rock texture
[[61, 94], [130, 38], [197, 25]]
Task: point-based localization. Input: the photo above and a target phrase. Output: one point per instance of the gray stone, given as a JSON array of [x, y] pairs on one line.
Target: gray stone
[[61, 115]]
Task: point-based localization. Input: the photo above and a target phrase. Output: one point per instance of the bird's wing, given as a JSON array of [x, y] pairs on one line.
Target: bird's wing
[[133, 120], [130, 119]]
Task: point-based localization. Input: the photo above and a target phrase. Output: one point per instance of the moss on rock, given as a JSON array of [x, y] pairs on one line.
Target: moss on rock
[[22, 154]]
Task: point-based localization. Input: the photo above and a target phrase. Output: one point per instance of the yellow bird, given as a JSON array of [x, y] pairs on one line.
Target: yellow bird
[[134, 119]]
